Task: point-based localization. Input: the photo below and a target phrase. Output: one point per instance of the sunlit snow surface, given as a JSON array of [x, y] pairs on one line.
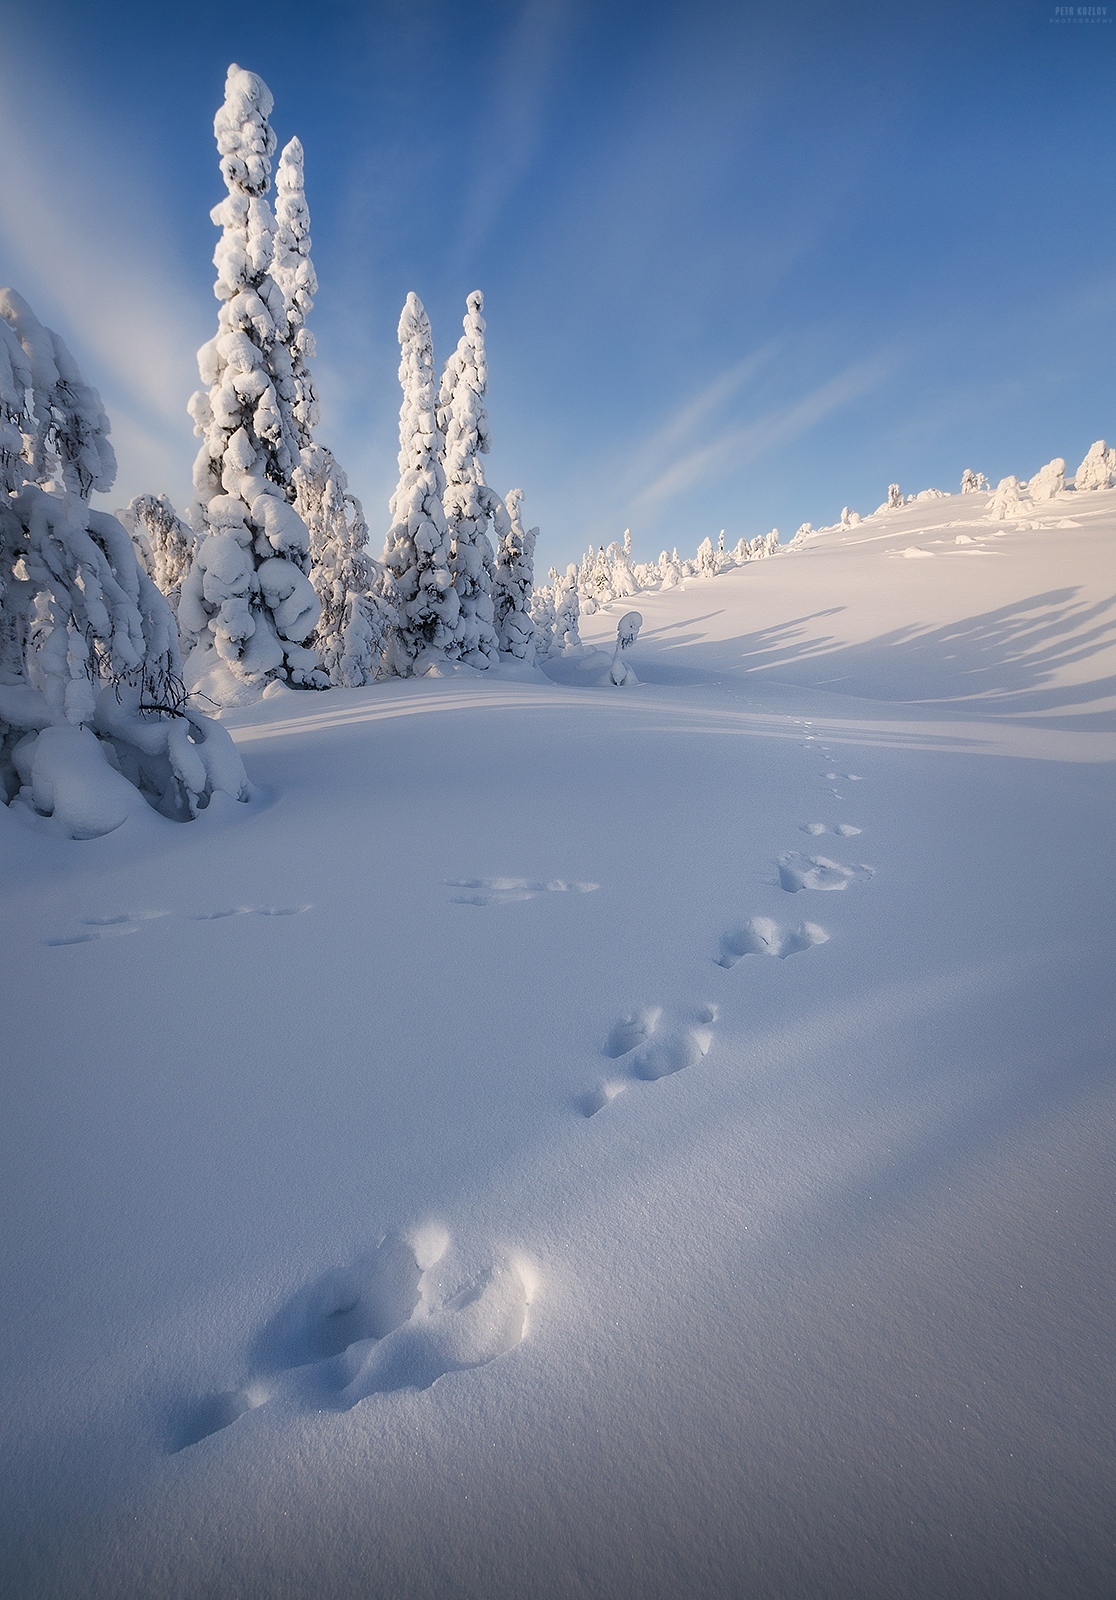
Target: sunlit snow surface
[[417, 1182]]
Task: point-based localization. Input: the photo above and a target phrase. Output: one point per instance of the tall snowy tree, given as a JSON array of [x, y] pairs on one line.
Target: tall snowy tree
[[293, 271], [247, 600], [91, 700], [417, 555], [513, 582], [471, 506]]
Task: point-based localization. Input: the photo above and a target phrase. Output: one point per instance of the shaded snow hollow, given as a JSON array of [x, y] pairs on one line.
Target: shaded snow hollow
[[420, 1182]]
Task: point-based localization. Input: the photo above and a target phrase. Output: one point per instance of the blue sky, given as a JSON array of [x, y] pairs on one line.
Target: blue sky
[[743, 264]]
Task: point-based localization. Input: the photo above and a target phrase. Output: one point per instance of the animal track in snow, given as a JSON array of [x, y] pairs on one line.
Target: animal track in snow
[[114, 925], [844, 830], [651, 1051], [503, 891], [761, 936], [798, 872], [401, 1317]]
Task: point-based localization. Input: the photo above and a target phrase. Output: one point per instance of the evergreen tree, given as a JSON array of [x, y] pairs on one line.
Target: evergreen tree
[[293, 271], [1098, 470], [165, 543], [471, 506], [247, 599], [973, 482], [513, 582], [417, 555], [91, 700], [567, 613]]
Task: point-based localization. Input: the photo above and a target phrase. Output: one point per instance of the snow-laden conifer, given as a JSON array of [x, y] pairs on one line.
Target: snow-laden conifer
[[706, 562], [357, 615], [1098, 470], [542, 619], [1008, 500], [973, 482], [622, 574], [91, 699], [293, 271], [471, 506], [513, 583], [670, 571], [247, 599], [1048, 481], [417, 554], [567, 615], [165, 543]]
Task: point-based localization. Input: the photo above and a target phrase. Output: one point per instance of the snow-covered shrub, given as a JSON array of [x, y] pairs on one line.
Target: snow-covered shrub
[[417, 555], [357, 616], [1008, 500], [627, 632], [92, 706], [247, 598], [1049, 481], [931, 494], [513, 582], [165, 543], [849, 519], [1098, 470], [973, 482], [471, 506], [800, 538]]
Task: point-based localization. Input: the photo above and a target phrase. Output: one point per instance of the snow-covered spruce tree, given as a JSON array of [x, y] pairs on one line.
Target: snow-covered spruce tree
[[353, 590], [973, 482], [293, 271], [706, 562], [894, 497], [567, 615], [1049, 481], [542, 618], [513, 582], [670, 571], [357, 615], [92, 707], [1008, 501], [429, 628], [622, 574], [165, 543], [247, 601], [470, 504], [1098, 470]]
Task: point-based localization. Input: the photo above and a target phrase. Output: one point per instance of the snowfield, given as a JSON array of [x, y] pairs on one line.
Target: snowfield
[[562, 1140]]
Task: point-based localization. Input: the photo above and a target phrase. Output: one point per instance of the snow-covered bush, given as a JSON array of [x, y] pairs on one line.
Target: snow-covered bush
[[1049, 481], [1098, 470], [471, 506], [417, 555], [849, 519], [627, 632], [931, 494], [165, 543], [247, 599], [513, 581], [92, 707], [973, 482], [1008, 500]]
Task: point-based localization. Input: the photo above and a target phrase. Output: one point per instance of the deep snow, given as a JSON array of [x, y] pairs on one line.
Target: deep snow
[[563, 1141]]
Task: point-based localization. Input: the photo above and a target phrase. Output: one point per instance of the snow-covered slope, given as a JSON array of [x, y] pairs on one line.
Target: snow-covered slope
[[564, 1141]]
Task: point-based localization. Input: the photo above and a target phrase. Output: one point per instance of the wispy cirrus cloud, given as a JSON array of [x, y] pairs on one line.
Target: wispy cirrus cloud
[[79, 236]]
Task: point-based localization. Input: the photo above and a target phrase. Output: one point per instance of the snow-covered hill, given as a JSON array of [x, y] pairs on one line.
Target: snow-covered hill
[[562, 1141]]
